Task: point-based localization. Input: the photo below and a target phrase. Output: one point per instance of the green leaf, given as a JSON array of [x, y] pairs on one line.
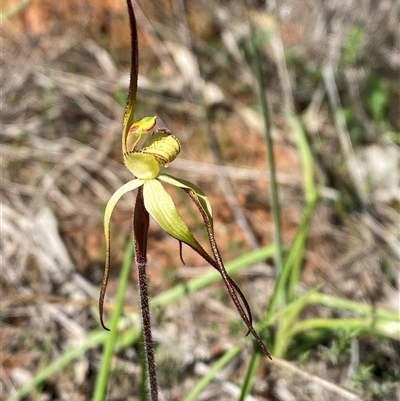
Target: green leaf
[[129, 186], [161, 207]]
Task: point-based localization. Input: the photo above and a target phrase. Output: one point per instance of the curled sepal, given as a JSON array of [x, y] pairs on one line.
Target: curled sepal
[[129, 186], [197, 192], [235, 293], [164, 147], [141, 127], [142, 165], [161, 207]]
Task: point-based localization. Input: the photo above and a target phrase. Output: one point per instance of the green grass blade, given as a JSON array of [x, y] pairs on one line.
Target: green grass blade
[[306, 157], [250, 373], [292, 311], [93, 340], [111, 339], [206, 379], [369, 325], [234, 266], [311, 198], [14, 10], [270, 153], [295, 304], [181, 290], [295, 256], [352, 306], [98, 336], [295, 253]]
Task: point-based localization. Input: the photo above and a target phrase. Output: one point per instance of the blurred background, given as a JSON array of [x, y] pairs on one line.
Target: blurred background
[[334, 66]]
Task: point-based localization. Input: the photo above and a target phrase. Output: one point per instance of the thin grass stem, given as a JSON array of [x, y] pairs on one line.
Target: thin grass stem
[[112, 336], [173, 295], [249, 376], [206, 379], [270, 155]]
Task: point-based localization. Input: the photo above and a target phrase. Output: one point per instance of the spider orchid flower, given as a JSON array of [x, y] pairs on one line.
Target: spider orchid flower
[[148, 166]]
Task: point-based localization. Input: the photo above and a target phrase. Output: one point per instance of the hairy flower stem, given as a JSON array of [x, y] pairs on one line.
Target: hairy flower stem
[[148, 340], [140, 230]]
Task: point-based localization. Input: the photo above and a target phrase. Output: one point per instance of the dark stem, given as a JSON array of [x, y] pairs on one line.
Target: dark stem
[[148, 339], [140, 231], [134, 56]]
